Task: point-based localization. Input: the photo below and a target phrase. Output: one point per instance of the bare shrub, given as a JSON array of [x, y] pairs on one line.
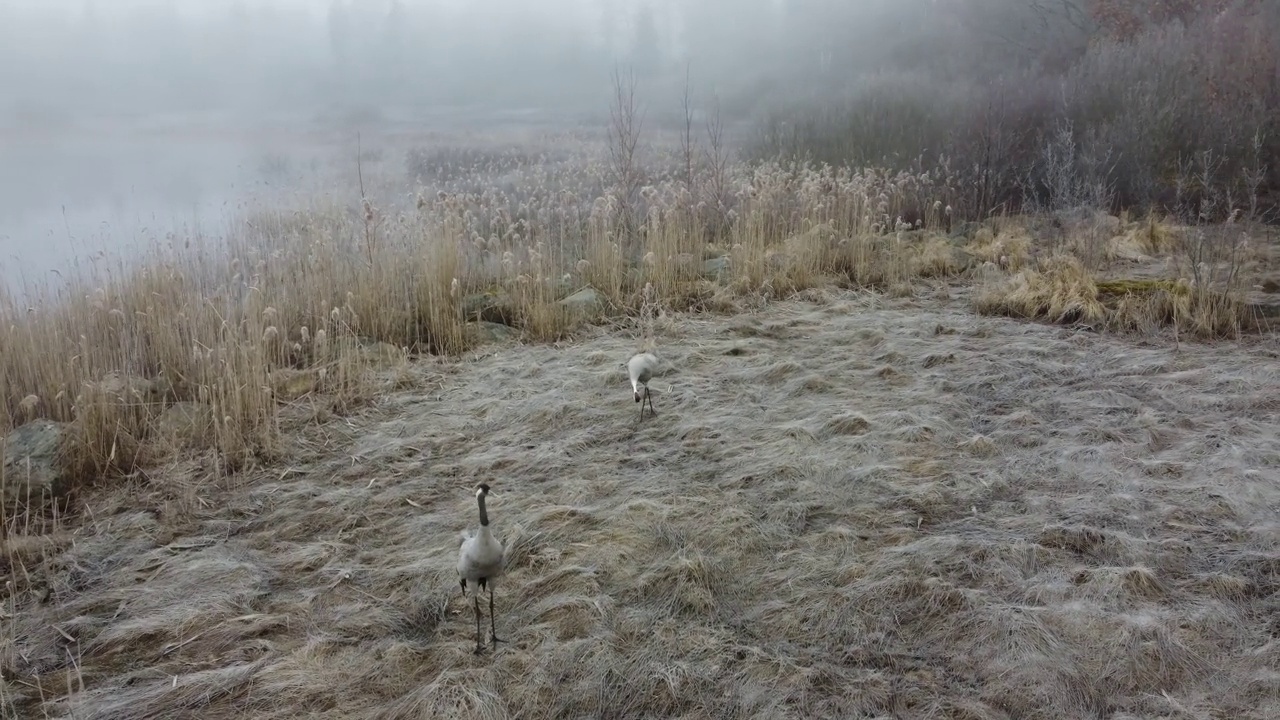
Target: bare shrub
[[1105, 124], [626, 121]]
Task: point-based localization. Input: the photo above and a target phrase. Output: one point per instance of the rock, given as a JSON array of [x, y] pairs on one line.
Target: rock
[[988, 272], [1268, 312], [961, 234], [983, 237], [482, 332], [815, 239], [185, 424], [380, 355], [911, 236], [494, 306], [963, 259], [716, 268], [34, 472], [1270, 286], [1090, 219], [169, 388], [1127, 247], [290, 384], [126, 387], [777, 260], [120, 388], [584, 302]]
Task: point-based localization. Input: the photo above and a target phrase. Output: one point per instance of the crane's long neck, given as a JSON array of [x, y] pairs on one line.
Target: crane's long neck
[[484, 514]]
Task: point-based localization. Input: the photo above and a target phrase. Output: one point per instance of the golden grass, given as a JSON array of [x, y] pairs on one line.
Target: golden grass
[[1145, 239], [1007, 245], [296, 303], [1061, 290], [287, 305]]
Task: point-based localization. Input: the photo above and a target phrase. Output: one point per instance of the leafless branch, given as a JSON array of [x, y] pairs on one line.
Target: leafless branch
[[626, 121], [687, 144]]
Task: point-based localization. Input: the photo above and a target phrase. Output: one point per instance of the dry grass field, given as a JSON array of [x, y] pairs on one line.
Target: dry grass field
[[900, 468]]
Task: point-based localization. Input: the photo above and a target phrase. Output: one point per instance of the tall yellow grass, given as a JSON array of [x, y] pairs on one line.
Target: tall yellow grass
[[230, 323]]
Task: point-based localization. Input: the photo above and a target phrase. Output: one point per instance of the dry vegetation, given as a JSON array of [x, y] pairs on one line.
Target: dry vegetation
[[860, 498], [1059, 103]]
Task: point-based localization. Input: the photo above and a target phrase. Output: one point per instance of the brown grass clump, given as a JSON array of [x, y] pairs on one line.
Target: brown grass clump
[[886, 262], [1143, 306], [1061, 290], [1008, 249], [1144, 240]]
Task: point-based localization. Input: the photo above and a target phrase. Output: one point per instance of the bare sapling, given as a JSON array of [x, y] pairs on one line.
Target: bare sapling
[[366, 207], [1255, 173], [717, 162], [688, 147], [625, 122]]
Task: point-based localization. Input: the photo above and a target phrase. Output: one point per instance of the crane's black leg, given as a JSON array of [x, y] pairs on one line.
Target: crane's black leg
[[475, 599], [493, 629], [647, 396], [463, 582]]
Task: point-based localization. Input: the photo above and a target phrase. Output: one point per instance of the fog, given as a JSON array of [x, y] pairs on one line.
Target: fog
[[125, 119]]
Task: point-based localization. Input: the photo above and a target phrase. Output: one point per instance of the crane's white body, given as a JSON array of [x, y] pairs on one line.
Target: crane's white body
[[641, 368], [481, 559]]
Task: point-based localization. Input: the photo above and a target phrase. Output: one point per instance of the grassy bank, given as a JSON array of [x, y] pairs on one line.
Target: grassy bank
[[295, 302]]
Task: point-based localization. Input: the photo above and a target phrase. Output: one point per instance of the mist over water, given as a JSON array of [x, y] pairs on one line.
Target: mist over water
[[110, 189], [78, 195], [121, 122]]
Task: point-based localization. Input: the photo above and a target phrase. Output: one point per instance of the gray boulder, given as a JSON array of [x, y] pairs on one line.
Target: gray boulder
[[34, 472], [496, 306], [185, 425], [963, 232], [716, 268], [479, 333], [963, 259], [584, 302]]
